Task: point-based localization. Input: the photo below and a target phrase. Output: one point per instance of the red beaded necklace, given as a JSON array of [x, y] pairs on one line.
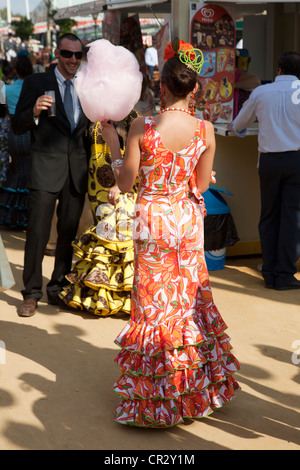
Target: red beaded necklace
[[163, 110]]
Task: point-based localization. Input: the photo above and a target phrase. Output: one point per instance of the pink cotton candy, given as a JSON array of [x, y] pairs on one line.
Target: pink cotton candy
[[110, 83]]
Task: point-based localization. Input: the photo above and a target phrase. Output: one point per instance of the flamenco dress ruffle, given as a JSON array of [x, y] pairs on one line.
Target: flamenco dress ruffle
[[101, 281], [4, 154], [14, 201], [14, 191], [181, 369]]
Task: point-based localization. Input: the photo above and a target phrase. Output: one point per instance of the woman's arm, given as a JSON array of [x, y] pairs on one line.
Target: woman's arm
[[205, 164], [125, 175]]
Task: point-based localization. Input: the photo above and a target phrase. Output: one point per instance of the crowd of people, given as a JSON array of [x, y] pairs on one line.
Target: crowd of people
[[143, 254], [40, 56]]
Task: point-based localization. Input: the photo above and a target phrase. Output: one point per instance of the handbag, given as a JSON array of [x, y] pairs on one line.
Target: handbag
[[6, 276]]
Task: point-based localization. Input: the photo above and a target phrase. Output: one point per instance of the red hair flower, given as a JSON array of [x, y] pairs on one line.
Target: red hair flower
[[175, 47]]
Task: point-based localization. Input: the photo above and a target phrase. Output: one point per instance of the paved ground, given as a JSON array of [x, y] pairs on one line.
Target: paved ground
[[57, 373]]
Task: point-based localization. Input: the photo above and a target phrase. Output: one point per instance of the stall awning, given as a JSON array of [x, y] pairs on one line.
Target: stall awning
[[249, 2], [97, 6], [82, 9], [117, 4]]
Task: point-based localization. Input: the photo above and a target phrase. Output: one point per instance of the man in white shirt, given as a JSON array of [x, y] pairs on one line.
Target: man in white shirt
[[276, 106], [151, 59]]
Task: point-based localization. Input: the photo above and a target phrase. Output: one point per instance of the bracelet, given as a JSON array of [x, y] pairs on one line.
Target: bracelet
[[116, 164]]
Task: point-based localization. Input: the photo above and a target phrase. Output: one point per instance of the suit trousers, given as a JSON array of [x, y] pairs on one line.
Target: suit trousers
[[86, 220], [41, 207], [279, 225]]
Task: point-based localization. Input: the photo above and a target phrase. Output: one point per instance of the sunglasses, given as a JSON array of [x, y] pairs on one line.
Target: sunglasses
[[68, 54]]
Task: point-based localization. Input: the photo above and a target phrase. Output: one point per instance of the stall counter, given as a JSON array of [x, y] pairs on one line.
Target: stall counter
[[236, 170], [222, 129]]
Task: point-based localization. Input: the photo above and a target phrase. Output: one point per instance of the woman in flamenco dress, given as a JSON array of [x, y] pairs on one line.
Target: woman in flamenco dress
[[4, 154], [175, 358], [14, 191], [100, 283]]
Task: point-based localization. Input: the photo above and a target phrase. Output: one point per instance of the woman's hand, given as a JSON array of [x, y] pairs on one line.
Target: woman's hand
[[110, 135], [126, 174], [112, 194]]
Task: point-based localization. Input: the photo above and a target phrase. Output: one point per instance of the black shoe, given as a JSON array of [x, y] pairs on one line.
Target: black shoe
[[269, 285], [57, 301], [293, 284], [269, 281], [53, 299]]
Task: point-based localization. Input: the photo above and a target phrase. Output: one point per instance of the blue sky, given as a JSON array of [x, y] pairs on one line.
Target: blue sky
[[18, 6]]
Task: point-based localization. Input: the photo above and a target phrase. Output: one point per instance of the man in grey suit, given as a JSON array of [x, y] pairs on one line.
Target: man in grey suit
[[10, 48], [59, 167]]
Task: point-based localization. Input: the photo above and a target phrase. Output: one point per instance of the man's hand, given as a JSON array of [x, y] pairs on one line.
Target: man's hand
[[42, 104]]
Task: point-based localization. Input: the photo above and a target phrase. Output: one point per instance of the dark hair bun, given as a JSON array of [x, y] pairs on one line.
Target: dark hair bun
[[178, 77]]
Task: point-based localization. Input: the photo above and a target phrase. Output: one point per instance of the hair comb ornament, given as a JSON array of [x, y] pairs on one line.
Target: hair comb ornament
[[192, 58]]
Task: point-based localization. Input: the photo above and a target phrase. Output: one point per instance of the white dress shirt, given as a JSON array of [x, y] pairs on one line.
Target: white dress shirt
[[151, 56], [276, 106]]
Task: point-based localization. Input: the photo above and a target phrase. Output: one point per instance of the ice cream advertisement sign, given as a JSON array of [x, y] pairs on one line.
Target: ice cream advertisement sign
[[212, 30]]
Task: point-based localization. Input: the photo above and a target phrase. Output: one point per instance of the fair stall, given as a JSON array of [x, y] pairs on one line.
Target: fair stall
[[237, 158], [212, 29], [269, 28]]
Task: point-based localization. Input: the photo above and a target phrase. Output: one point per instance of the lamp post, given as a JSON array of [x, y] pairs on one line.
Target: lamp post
[[8, 8], [95, 16], [27, 9]]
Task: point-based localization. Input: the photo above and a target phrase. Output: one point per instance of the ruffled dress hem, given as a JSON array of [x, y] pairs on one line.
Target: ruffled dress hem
[[101, 281], [170, 374]]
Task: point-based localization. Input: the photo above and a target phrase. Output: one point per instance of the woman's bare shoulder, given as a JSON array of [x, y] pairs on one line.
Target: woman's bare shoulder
[[138, 125], [210, 133], [209, 126]]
